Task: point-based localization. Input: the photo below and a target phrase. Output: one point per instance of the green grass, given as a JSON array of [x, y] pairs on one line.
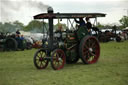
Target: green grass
[[17, 68]]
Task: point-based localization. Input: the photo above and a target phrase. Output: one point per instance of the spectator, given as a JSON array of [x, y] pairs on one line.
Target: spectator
[[18, 32]]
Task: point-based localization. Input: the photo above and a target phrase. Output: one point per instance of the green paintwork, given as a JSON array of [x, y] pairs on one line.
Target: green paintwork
[[82, 31]]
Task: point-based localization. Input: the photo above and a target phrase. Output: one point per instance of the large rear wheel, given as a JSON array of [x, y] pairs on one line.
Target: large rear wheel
[[10, 44], [89, 50], [58, 59], [40, 60]]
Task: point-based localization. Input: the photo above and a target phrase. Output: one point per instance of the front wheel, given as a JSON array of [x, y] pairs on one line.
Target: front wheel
[[58, 59], [40, 60], [89, 50]]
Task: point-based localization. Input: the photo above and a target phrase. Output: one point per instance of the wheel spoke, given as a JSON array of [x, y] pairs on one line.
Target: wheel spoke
[[61, 55], [57, 55], [45, 61], [38, 56], [84, 53], [88, 55], [94, 49], [92, 54], [89, 42], [37, 61], [54, 56], [85, 46], [40, 64], [43, 54], [93, 44]]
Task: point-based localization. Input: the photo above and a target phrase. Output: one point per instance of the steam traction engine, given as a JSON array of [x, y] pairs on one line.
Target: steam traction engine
[[69, 45]]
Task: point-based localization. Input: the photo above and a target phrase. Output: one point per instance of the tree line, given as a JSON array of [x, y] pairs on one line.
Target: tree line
[[37, 26]]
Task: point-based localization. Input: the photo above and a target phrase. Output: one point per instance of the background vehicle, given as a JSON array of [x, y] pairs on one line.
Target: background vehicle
[[10, 41]]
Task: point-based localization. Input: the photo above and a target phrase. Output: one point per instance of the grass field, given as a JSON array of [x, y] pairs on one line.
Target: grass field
[[17, 68]]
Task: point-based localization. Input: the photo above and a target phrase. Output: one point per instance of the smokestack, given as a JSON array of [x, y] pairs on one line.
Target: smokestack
[[50, 10]]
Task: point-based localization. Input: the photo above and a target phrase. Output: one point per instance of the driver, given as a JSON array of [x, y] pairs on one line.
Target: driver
[[81, 22]]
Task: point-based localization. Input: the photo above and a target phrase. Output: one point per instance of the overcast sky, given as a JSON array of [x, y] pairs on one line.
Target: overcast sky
[[24, 10]]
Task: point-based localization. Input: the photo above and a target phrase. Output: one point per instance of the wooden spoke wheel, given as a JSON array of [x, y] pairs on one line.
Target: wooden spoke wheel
[[89, 49], [58, 59], [40, 60]]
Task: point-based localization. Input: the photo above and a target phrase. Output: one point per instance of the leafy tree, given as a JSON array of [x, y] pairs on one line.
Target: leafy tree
[[18, 25], [124, 21], [100, 25], [10, 26], [1, 26], [7, 27], [36, 26]]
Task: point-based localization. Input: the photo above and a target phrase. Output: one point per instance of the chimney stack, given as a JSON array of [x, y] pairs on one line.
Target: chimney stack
[[50, 10]]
